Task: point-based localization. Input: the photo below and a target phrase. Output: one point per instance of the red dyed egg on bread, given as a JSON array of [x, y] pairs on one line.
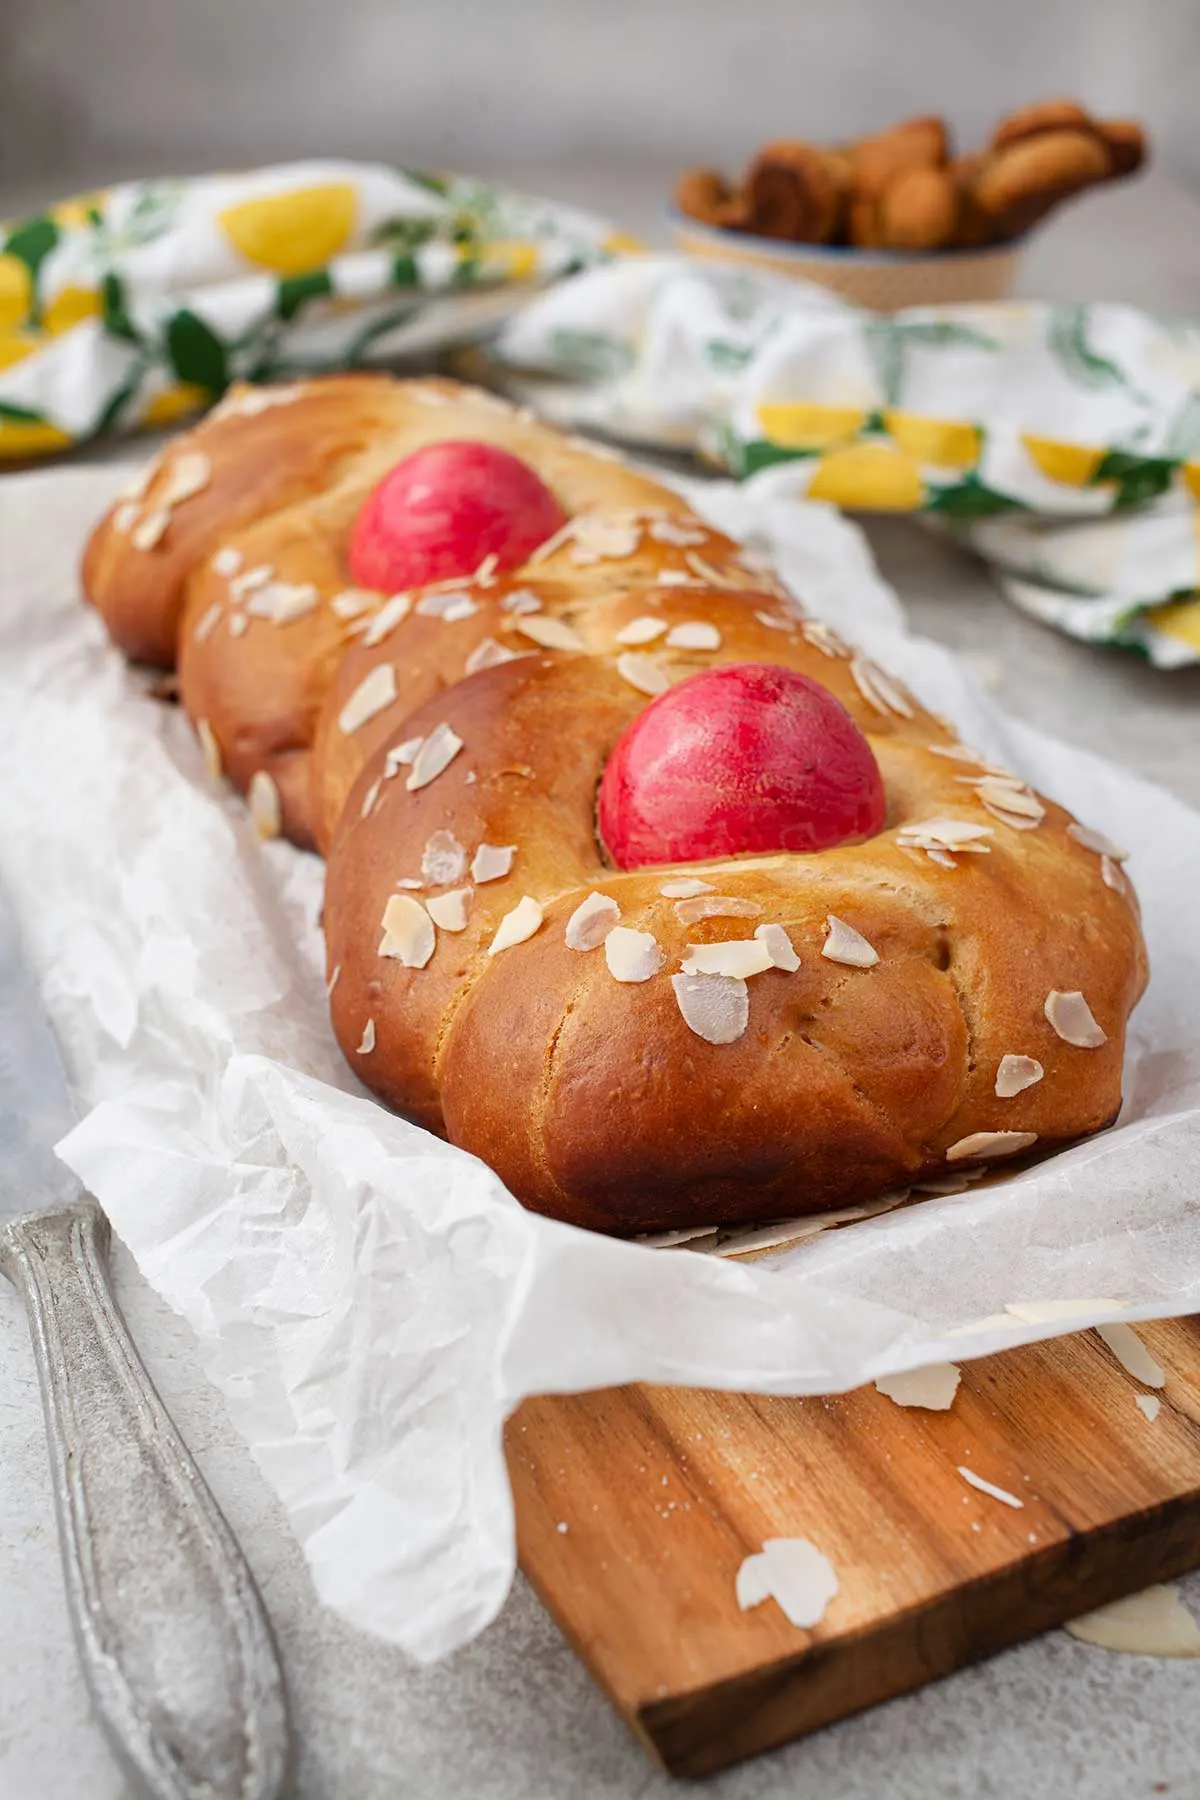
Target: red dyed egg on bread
[[745, 758], [444, 510]]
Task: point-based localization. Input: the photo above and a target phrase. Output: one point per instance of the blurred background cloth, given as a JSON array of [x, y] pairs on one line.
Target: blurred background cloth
[[94, 92]]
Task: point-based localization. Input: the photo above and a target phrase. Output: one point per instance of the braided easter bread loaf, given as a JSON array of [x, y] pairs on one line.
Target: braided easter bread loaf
[[653, 978]]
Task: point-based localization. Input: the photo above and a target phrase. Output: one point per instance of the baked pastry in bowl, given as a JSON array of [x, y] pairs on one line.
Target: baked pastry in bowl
[[643, 886]]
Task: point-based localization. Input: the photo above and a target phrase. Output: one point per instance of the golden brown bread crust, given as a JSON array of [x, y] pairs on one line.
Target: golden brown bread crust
[[594, 1098]]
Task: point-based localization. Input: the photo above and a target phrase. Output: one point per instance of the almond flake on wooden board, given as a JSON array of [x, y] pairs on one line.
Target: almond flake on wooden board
[[443, 860], [845, 945], [1152, 1623], [932, 1388], [1149, 1404], [740, 957], [591, 922], [715, 1007], [152, 528], [392, 613], [644, 672], [694, 634], [516, 926], [642, 630], [550, 634], [1071, 1017], [1132, 1354], [990, 1143], [989, 1487], [408, 933], [686, 888], [792, 1572], [715, 906], [449, 911], [632, 956], [373, 693], [1016, 1073], [779, 947], [266, 809], [491, 862], [367, 1043], [436, 753]]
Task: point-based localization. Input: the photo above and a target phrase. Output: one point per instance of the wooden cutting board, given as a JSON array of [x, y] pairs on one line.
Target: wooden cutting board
[[636, 1507]]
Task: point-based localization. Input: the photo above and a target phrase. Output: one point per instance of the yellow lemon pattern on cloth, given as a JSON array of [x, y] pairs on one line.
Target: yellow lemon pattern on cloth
[[1180, 620], [1073, 465], [870, 477], [808, 425], [293, 232], [16, 292], [175, 402], [22, 438], [939, 443], [68, 307]]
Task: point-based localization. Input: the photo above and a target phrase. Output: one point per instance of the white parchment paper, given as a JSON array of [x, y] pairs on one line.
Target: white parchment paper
[[372, 1303]]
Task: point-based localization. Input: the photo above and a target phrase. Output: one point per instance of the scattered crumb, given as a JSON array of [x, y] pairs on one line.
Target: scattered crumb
[[932, 1387], [988, 1487], [1152, 1623], [1148, 1404], [794, 1573]]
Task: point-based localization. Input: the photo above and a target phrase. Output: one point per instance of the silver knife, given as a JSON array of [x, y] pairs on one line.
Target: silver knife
[[171, 1630]]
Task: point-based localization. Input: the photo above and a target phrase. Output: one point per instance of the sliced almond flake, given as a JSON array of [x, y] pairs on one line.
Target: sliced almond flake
[[1132, 1354], [370, 797], [516, 926], [1051, 1312], [1016, 1073], [239, 624], [591, 922], [879, 690], [740, 957], [1096, 840], [989, 1487], [256, 400], [547, 548], [1070, 1016], [207, 623], [210, 747], [715, 1007], [520, 601], [151, 529], [227, 560], [135, 487], [411, 882], [351, 603], [774, 623], [266, 809], [443, 861], [958, 752], [824, 638], [408, 933], [1010, 797], [449, 606], [676, 578], [644, 672], [374, 693], [769, 1237], [599, 539], [125, 517], [1152, 1623], [707, 573], [368, 1039], [551, 634], [716, 906], [845, 945], [436, 753], [491, 862], [485, 574], [333, 981], [642, 630], [632, 956], [990, 1143], [189, 474], [449, 911], [685, 888], [669, 531], [694, 634], [244, 584], [283, 601], [932, 1388], [1014, 821], [943, 859], [1148, 1404], [792, 1572], [945, 834], [670, 1240], [400, 756], [393, 612], [428, 396], [486, 655], [1112, 876], [779, 947]]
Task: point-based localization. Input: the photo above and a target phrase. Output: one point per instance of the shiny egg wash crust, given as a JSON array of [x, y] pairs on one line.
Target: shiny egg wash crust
[[631, 1050]]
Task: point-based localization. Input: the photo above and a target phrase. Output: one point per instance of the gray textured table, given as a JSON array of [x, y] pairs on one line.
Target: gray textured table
[[514, 1717]]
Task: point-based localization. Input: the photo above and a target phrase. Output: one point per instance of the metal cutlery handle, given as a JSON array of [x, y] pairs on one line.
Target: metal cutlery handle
[[172, 1633]]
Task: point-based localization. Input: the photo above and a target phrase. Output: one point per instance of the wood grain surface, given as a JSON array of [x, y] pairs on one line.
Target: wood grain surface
[[636, 1507]]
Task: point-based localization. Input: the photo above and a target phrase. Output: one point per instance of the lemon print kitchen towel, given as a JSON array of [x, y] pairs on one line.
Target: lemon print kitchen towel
[[1062, 442], [138, 306]]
